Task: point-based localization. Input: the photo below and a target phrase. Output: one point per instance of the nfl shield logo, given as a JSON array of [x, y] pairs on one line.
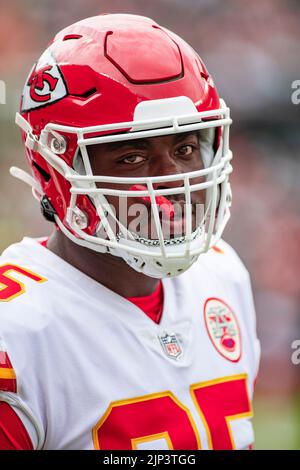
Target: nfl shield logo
[[170, 345]]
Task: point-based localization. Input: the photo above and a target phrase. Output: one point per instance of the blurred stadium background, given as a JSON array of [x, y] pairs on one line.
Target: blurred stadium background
[[252, 51]]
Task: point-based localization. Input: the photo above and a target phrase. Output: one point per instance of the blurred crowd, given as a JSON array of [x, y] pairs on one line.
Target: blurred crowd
[[252, 51]]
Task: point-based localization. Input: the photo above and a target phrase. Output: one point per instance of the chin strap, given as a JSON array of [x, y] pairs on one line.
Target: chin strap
[[28, 179], [46, 207]]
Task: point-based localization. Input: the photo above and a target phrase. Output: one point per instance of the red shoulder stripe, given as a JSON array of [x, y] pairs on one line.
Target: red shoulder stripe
[[8, 379]]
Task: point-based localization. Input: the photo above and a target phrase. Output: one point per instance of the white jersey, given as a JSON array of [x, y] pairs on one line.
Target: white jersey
[[84, 368]]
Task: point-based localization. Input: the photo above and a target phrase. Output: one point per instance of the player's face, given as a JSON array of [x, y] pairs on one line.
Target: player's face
[[154, 156]]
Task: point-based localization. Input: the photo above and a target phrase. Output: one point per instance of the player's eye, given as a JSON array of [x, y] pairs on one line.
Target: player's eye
[[185, 150], [133, 159]]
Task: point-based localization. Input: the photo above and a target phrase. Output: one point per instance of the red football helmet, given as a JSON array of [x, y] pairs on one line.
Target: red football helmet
[[112, 78]]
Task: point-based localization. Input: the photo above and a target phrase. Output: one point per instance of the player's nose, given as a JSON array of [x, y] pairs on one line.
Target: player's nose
[[167, 166]]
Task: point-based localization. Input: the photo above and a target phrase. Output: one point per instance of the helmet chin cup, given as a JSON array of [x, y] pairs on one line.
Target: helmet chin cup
[[157, 268], [178, 260]]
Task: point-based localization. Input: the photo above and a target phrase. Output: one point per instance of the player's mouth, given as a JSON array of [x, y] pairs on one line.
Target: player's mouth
[[172, 217]]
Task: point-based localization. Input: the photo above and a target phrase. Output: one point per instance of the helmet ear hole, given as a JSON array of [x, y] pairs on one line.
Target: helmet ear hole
[[42, 172], [47, 208]]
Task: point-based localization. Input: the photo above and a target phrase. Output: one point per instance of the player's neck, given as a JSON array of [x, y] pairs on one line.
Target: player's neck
[[108, 270]]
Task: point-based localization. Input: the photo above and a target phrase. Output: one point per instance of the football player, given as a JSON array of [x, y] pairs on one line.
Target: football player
[[132, 326]]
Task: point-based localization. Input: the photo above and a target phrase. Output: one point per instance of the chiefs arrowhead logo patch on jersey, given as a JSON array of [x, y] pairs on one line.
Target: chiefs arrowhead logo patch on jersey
[[44, 85], [223, 329]]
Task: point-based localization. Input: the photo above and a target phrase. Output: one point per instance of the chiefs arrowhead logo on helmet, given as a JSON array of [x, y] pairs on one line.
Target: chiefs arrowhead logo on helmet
[[38, 80], [45, 84]]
